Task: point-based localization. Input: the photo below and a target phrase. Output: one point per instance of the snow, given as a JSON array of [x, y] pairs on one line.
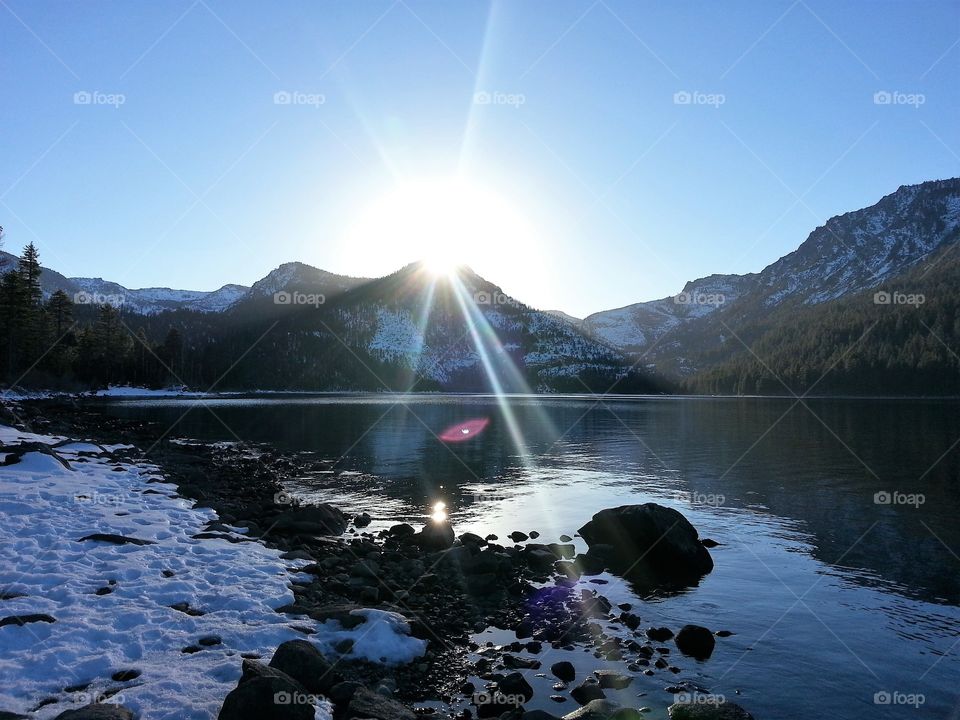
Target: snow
[[383, 637], [238, 585]]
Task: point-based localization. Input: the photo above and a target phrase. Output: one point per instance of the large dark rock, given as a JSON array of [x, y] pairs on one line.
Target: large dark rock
[[588, 691], [302, 661], [564, 670], [97, 711], [435, 535], [267, 696], [708, 711], [25, 619], [695, 641], [648, 541], [320, 519], [367, 704]]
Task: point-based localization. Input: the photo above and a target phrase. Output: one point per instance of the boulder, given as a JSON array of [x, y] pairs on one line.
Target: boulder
[[97, 711], [322, 519], [695, 641], [587, 691], [302, 661], [564, 671], [367, 704], [649, 540], [612, 680], [436, 535], [594, 710], [707, 711], [275, 696]]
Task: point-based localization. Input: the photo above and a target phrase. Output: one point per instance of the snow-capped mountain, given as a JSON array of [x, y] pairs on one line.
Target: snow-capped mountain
[[850, 253], [293, 276], [412, 329]]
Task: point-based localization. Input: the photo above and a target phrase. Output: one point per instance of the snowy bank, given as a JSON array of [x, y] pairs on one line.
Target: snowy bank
[[114, 627]]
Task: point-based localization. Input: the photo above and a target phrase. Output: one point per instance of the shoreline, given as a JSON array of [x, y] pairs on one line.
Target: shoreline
[[449, 591]]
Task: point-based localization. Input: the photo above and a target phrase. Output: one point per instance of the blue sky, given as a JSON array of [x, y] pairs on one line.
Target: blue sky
[[200, 178]]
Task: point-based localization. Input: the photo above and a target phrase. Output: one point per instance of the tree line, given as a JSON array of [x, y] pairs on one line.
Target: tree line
[[57, 343]]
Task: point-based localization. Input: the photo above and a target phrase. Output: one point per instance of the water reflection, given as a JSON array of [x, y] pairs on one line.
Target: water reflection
[[816, 467]]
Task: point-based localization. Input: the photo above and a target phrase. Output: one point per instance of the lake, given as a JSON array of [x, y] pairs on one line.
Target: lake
[[838, 568]]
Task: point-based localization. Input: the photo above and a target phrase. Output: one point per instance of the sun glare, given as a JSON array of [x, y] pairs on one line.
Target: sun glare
[[446, 223]]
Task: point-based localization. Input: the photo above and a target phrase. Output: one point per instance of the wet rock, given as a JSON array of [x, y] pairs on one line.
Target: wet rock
[[322, 519], [97, 711], [649, 539], [723, 633], [302, 661], [695, 641], [516, 685], [368, 704], [599, 709], [401, 530], [659, 634], [708, 543], [518, 536], [587, 691], [520, 663], [210, 640], [564, 671], [708, 711], [612, 680], [362, 520]]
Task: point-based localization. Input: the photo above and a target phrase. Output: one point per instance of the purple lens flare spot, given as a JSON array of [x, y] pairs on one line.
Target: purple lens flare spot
[[466, 430]]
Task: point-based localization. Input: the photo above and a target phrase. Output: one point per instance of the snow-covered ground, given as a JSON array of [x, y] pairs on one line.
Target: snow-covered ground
[[46, 507]]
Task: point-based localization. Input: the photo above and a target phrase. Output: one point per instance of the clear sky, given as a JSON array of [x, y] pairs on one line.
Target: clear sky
[[178, 164]]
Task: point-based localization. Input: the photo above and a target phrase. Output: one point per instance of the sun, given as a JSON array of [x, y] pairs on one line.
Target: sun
[[445, 222]]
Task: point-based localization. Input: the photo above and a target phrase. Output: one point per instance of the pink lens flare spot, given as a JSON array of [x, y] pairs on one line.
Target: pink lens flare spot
[[464, 431]]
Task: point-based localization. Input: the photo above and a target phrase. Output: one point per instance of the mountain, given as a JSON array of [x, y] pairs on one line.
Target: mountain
[[848, 255], [299, 277], [291, 277], [415, 330]]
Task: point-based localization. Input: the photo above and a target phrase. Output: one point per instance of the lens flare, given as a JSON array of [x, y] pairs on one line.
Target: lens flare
[[439, 513], [464, 431]]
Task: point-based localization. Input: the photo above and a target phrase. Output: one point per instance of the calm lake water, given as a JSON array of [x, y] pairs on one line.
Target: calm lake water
[[834, 593]]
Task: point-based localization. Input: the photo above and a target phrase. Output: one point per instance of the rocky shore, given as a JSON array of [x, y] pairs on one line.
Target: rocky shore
[[544, 598]]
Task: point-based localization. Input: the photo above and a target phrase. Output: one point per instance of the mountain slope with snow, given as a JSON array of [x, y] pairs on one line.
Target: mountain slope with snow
[[849, 254]]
